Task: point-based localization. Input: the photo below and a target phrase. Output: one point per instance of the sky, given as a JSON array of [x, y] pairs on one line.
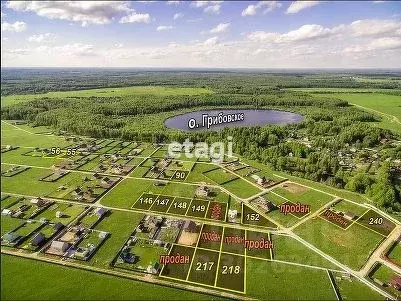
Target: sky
[[201, 34]]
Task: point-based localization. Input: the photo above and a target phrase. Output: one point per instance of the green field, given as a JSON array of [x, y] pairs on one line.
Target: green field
[[386, 106], [45, 281], [276, 281], [241, 188], [395, 252], [352, 246], [107, 92], [353, 289]]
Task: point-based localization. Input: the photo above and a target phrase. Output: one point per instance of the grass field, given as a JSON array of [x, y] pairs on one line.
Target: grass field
[[24, 279], [352, 246], [386, 106], [241, 188], [355, 290], [106, 92], [395, 252], [276, 281], [289, 249]]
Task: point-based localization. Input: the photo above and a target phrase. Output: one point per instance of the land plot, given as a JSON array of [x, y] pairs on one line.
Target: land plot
[[162, 203], [217, 211], [286, 282], [299, 194], [178, 270], [220, 176], [241, 188], [233, 241], [179, 175], [149, 150], [179, 206], [8, 201], [394, 253], [68, 213], [139, 171], [259, 245], [376, 222], [145, 201], [13, 170], [299, 214], [198, 208], [231, 272], [251, 217], [181, 165], [352, 246], [345, 207], [210, 237], [335, 218], [204, 266], [8, 224]]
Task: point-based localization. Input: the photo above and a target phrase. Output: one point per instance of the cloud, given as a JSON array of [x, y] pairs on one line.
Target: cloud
[[252, 9], [204, 3], [75, 49], [222, 27], [135, 18], [17, 26], [211, 42], [210, 7], [297, 6], [373, 27], [41, 38], [173, 2], [85, 12], [359, 28], [388, 43], [305, 32], [213, 9], [178, 16], [164, 28]]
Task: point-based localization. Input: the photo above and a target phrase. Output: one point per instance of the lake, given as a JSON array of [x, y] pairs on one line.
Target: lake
[[213, 120]]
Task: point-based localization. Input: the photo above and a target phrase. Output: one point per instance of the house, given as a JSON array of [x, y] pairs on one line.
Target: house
[[103, 235], [77, 191], [10, 238], [349, 215], [127, 256], [202, 191], [190, 226], [58, 226], [38, 202], [100, 211], [106, 182], [59, 214], [59, 246], [7, 212], [39, 239], [395, 282], [43, 220], [265, 204], [232, 215], [153, 268]]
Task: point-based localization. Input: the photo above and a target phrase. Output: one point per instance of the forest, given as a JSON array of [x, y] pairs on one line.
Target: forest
[[332, 124]]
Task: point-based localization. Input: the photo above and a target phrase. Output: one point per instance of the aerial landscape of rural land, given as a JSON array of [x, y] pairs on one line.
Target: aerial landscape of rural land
[[201, 150]]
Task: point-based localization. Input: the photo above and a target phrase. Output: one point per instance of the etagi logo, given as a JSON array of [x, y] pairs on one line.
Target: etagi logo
[[214, 151]]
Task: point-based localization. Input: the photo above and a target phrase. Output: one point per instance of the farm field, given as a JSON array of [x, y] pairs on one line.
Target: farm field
[[387, 106], [352, 246], [64, 282], [105, 92]]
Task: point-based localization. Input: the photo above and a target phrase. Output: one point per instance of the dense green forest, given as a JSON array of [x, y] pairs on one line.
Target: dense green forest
[[333, 125]]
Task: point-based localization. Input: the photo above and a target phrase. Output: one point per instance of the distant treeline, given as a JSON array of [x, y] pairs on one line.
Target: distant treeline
[[34, 81]]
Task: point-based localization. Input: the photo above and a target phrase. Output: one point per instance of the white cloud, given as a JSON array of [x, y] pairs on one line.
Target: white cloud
[[136, 18], [41, 38], [85, 12], [306, 32], [297, 6], [374, 27], [268, 6], [173, 2], [210, 7], [211, 42], [213, 9], [388, 43], [222, 27], [164, 28], [178, 16], [17, 26], [76, 49], [378, 2]]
